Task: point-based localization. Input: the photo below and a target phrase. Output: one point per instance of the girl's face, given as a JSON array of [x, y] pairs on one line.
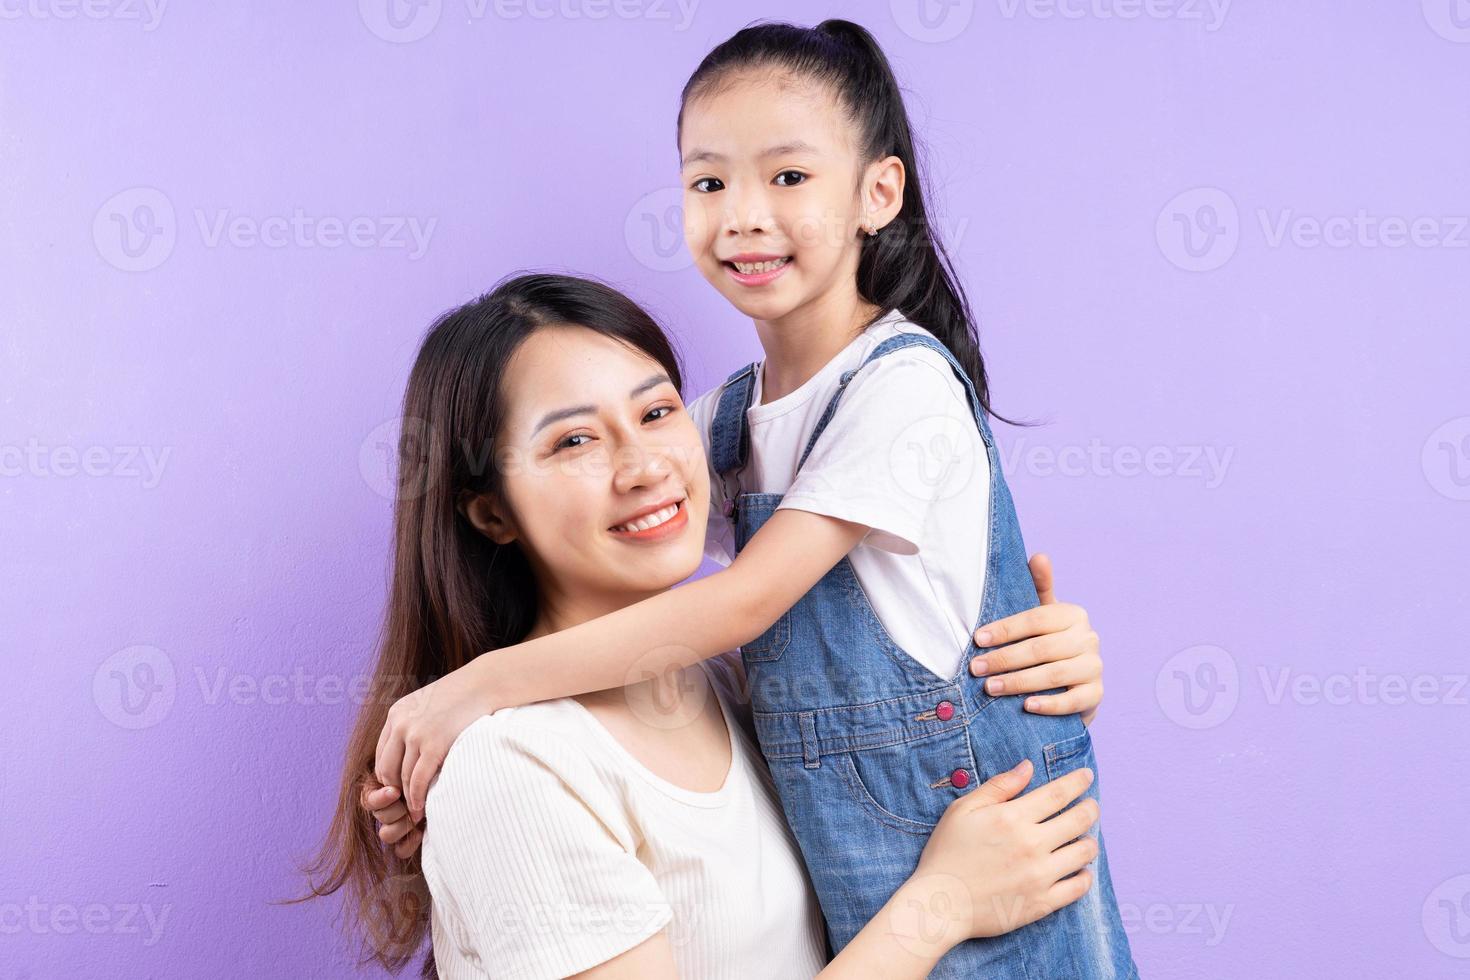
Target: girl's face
[[604, 476], [773, 204]]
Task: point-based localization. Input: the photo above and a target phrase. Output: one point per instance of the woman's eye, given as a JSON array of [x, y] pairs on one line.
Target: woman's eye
[[797, 174], [703, 185], [666, 409], [567, 442]]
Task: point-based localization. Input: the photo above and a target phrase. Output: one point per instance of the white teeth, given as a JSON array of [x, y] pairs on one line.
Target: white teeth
[[751, 268], [651, 520]]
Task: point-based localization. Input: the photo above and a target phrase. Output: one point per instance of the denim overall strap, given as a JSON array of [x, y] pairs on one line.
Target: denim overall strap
[[898, 342], [729, 435]]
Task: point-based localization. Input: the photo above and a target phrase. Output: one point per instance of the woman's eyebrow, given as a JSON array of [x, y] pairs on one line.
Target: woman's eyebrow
[[784, 149], [652, 381]]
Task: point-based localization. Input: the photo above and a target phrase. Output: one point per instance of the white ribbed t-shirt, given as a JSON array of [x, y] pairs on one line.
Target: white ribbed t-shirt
[[549, 849]]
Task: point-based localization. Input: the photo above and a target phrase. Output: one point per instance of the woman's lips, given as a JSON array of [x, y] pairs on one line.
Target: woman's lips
[[669, 528]]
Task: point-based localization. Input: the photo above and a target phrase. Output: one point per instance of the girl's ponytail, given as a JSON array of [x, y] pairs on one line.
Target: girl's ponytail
[[905, 266]]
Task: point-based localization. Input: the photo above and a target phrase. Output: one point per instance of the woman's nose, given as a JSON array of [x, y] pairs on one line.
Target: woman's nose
[[638, 465]]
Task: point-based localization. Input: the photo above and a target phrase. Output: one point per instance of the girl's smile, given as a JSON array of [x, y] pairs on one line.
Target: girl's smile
[[756, 269]]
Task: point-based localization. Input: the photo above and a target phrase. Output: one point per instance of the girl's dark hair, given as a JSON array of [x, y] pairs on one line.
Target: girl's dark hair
[[905, 266], [454, 593]]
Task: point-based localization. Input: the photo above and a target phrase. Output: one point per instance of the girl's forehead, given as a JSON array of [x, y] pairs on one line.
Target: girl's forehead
[[781, 108]]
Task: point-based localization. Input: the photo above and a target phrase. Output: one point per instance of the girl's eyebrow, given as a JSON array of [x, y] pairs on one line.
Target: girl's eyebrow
[[783, 149], [652, 381]]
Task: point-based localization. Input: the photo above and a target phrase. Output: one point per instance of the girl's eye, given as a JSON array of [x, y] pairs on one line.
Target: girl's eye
[[800, 177], [667, 409], [702, 185]]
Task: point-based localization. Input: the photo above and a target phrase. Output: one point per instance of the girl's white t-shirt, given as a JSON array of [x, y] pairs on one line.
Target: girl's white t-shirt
[[549, 849], [901, 455]]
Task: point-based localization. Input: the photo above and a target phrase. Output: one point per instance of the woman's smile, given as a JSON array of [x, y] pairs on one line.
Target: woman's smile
[[658, 523]]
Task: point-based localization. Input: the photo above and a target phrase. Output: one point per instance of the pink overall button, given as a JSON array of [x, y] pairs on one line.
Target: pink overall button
[[959, 779], [944, 711]]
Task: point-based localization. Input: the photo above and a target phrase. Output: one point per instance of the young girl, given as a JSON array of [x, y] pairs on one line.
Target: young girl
[[851, 587], [632, 832]]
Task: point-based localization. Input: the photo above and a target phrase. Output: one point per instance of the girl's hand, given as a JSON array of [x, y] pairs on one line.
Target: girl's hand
[[394, 824], [421, 727], [1055, 644], [994, 864]]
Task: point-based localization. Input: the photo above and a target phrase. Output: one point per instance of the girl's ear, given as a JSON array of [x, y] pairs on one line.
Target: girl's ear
[[487, 517], [883, 192]]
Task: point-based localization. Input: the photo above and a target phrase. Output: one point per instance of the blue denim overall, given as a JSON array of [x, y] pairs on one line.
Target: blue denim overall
[[867, 747]]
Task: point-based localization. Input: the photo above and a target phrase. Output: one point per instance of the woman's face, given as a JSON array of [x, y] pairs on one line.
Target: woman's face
[[772, 209], [605, 483]]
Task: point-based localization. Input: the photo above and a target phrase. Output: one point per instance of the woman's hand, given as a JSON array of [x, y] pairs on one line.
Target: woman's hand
[[1048, 647], [395, 826], [993, 864], [421, 727]]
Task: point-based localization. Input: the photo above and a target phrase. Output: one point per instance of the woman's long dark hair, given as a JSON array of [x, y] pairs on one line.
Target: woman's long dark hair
[[905, 266], [454, 593]]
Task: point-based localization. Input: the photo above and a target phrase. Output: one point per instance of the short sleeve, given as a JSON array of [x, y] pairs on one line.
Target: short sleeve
[[903, 437], [529, 857]]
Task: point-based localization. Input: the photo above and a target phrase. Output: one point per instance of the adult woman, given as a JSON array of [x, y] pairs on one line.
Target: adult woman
[[626, 832]]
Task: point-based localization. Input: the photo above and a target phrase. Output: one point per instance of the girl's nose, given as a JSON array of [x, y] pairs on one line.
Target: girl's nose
[[746, 215]]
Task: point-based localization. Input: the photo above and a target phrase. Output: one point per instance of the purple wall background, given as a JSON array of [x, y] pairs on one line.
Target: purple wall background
[[1224, 250]]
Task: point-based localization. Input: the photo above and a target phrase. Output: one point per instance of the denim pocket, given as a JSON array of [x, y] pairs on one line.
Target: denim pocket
[[908, 786], [1069, 754], [770, 645]]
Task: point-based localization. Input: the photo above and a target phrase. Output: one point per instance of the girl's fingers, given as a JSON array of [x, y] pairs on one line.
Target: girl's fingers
[[1081, 669], [392, 833], [1031, 622], [389, 763], [405, 773], [423, 772], [376, 797], [1082, 699], [409, 844], [392, 813]]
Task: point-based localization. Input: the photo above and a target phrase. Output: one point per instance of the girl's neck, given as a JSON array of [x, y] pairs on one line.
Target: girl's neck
[[800, 343]]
